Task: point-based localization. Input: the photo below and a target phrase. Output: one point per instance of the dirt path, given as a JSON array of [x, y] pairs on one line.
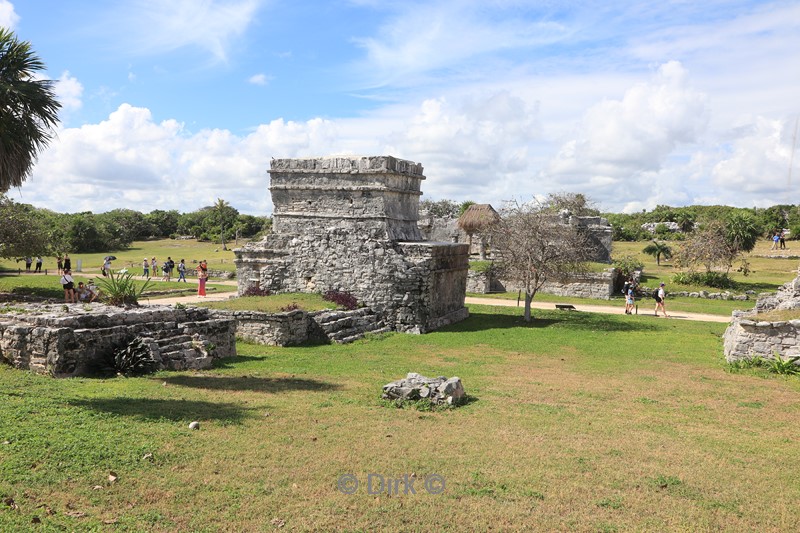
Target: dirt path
[[614, 310]]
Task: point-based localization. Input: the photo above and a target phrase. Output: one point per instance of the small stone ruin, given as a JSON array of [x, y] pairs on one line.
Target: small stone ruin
[[69, 340], [749, 335], [440, 390], [349, 224]]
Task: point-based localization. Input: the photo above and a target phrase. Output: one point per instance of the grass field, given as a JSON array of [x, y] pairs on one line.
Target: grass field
[[579, 421], [190, 250]]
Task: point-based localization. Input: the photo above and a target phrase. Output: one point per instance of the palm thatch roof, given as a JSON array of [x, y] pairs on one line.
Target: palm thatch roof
[[477, 217]]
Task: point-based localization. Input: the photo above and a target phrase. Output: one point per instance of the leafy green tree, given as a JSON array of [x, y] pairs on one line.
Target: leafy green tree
[[742, 231], [28, 110], [22, 232], [658, 250], [163, 223], [685, 220], [576, 203], [441, 208]]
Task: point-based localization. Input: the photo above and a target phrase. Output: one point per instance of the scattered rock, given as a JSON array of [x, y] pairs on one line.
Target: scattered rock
[[194, 425], [439, 390]]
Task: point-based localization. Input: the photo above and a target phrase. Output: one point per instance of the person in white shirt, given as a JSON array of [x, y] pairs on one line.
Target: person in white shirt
[[660, 296], [69, 287]]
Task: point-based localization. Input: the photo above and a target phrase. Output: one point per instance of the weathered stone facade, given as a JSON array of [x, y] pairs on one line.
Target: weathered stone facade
[[598, 285], [47, 339], [597, 229], [749, 336], [292, 328], [350, 224]]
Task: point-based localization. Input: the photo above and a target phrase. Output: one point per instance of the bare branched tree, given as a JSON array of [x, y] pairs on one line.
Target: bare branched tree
[[709, 247], [533, 246]]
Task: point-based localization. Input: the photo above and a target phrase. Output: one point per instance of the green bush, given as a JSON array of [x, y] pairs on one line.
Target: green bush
[[717, 280], [131, 358]]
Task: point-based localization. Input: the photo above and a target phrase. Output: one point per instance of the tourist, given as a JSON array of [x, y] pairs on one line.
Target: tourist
[[82, 292], [202, 276], [69, 286], [775, 238], [154, 267], [145, 268], [38, 264], [28, 263], [94, 291], [60, 264], [67, 263], [660, 296], [182, 271], [165, 271], [629, 299], [170, 266], [783, 239]]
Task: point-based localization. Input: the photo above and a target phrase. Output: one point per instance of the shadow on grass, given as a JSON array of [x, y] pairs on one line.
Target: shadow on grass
[[232, 362], [248, 383], [157, 409], [478, 321]]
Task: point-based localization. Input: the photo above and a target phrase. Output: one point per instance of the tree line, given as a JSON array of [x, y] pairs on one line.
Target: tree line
[[26, 230]]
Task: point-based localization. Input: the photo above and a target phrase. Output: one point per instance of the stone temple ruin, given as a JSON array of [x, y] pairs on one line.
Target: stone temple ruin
[[350, 224]]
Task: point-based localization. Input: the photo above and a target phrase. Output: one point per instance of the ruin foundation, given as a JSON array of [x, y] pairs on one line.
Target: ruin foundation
[[350, 224]]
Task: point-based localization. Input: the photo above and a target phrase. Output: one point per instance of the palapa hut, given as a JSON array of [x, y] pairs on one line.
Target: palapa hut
[[475, 219]]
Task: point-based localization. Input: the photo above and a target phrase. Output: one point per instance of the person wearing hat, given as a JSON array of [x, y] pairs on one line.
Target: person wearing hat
[[146, 268], [660, 295]]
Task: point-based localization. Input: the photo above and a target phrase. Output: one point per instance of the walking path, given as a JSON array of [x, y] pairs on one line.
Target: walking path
[[614, 310], [618, 310]]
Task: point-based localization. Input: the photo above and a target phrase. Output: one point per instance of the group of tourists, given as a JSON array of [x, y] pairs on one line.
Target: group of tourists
[[778, 240], [167, 269], [629, 290], [29, 263], [84, 292]]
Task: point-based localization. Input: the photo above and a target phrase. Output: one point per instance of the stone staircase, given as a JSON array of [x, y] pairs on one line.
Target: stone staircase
[[347, 326]]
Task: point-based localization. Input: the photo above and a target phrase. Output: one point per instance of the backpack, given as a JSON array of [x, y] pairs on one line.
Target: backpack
[[655, 294], [625, 288]]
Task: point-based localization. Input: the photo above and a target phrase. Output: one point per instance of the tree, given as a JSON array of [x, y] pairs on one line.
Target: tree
[[576, 203], [532, 246], [441, 208], [22, 232], [28, 110], [685, 220], [658, 250], [742, 231], [709, 246]]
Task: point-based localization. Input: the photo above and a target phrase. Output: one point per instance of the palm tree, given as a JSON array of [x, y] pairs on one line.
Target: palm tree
[[658, 250], [28, 110], [220, 206], [742, 231], [685, 221]]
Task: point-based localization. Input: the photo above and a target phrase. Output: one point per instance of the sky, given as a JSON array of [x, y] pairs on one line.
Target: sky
[[172, 105]]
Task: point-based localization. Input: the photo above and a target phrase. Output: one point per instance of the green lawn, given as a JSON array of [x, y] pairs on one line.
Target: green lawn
[[48, 286], [578, 421], [192, 251]]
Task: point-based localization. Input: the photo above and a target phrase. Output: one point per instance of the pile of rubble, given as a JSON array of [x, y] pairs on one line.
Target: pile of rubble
[[439, 390]]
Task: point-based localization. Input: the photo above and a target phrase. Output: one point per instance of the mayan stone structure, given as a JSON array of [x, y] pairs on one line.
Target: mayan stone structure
[[350, 224]]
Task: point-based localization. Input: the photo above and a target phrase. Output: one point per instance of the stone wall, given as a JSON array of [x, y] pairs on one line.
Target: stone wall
[[47, 339], [293, 328], [598, 285], [749, 335], [350, 224]]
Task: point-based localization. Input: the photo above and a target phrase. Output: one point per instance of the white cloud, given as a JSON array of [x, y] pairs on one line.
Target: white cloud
[[259, 79], [8, 17], [211, 25], [69, 91], [624, 143]]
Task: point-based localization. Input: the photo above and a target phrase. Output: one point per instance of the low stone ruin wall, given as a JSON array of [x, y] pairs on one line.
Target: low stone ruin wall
[[49, 339], [748, 337], [293, 328], [593, 285]]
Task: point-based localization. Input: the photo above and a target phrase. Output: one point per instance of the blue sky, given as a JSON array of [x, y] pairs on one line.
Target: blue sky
[[171, 105]]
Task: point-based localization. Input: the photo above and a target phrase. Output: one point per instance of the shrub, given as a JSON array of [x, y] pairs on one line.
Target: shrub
[[627, 265], [120, 289], [255, 290], [718, 280], [779, 365], [131, 358], [342, 299], [290, 307]]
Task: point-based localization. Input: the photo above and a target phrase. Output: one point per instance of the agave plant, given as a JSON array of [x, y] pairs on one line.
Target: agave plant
[[121, 289], [131, 358]]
